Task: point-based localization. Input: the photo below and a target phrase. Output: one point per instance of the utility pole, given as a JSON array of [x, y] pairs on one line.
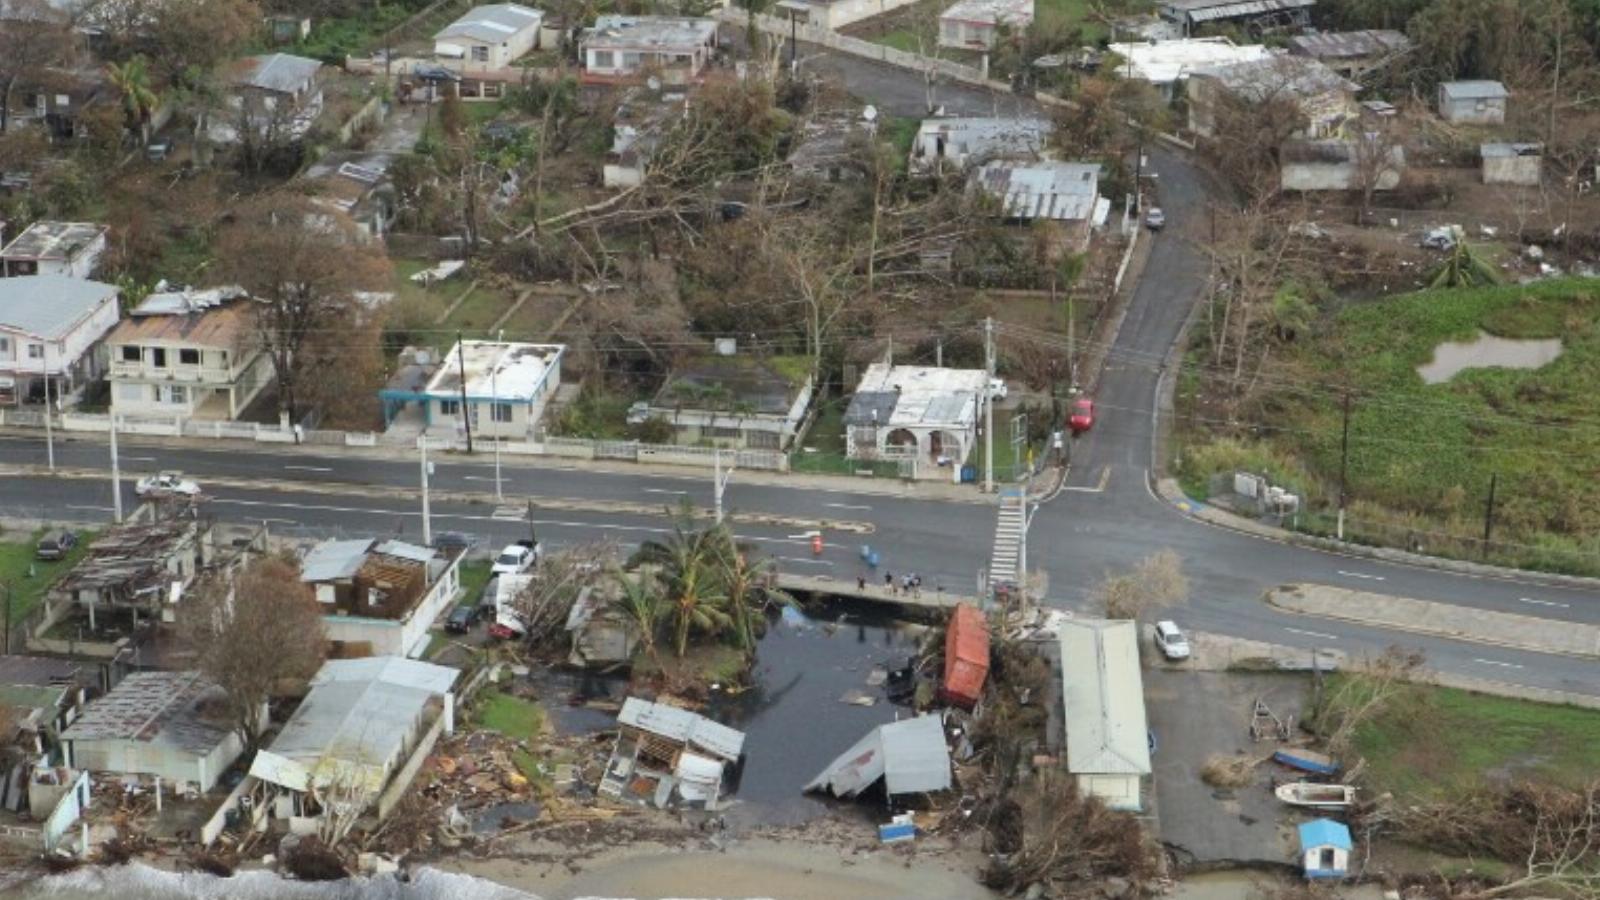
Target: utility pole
[[1344, 463], [533, 535], [427, 520], [49, 434], [495, 405], [116, 475], [938, 354], [719, 482], [1072, 344], [988, 406], [1488, 513], [466, 420]]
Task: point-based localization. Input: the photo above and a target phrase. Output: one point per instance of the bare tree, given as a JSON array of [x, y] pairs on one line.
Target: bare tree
[[34, 41], [305, 265], [1157, 581], [1379, 156], [254, 635], [1364, 694]]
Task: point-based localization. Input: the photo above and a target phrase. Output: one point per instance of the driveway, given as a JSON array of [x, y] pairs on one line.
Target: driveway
[[402, 129]]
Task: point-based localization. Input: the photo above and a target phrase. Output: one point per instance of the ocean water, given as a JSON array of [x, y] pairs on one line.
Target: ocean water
[[140, 882]]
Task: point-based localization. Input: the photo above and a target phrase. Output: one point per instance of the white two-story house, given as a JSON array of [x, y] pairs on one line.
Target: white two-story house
[[187, 353], [54, 248], [50, 330]]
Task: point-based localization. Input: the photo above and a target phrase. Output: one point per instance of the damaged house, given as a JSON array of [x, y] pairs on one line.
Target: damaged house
[[130, 575], [666, 755], [380, 597], [909, 756], [170, 726]]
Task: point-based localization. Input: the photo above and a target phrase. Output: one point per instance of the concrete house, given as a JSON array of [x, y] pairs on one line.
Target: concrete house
[[56, 100], [921, 414], [139, 571], [975, 24], [187, 353], [356, 183], [1339, 165], [733, 401], [952, 144], [359, 736], [162, 725], [488, 38], [72, 249], [1326, 100], [1102, 696], [1512, 163], [834, 14], [1352, 53], [643, 119], [1473, 102], [625, 49], [1062, 192], [41, 696], [506, 386], [380, 597], [50, 332], [1254, 17], [1167, 64], [275, 97]]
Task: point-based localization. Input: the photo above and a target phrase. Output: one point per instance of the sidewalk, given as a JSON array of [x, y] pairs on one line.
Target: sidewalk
[[1169, 491], [1458, 623]]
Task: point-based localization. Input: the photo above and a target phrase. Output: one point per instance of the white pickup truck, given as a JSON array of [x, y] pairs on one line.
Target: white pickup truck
[[516, 559]]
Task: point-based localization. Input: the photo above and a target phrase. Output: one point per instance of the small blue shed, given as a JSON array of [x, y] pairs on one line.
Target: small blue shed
[[1324, 848]]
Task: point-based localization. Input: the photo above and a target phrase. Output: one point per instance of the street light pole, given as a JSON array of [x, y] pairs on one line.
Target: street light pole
[[49, 433], [494, 388], [116, 475], [988, 406], [427, 522], [719, 482]]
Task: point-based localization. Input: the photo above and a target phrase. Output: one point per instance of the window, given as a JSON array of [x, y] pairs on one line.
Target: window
[[500, 412], [449, 407], [177, 394], [480, 54], [630, 61], [130, 353], [5, 345], [723, 432], [602, 59], [189, 357], [158, 357], [36, 351], [763, 440]]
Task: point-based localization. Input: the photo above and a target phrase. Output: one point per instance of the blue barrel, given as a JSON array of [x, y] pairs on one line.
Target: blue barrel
[[969, 474], [872, 559]]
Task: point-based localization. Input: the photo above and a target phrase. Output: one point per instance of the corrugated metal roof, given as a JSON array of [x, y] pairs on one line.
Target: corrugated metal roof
[[1474, 90], [1102, 694], [156, 708], [50, 306], [1507, 150], [1350, 44], [283, 73], [493, 23], [406, 551], [1047, 190], [1213, 10], [333, 560], [910, 755], [683, 726]]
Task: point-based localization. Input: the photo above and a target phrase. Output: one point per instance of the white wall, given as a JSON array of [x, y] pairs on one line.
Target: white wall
[[60, 356], [458, 52], [1120, 792], [399, 637]]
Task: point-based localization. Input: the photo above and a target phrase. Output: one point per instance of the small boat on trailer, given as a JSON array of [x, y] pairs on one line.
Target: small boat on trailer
[[1306, 761], [1321, 796]]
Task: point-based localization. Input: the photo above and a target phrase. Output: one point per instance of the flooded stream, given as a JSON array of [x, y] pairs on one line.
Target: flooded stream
[[1488, 351]]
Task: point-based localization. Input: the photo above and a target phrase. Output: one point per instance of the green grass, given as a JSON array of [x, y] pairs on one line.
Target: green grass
[[513, 717], [1426, 453], [1438, 742], [481, 308], [17, 562], [900, 39], [474, 575]]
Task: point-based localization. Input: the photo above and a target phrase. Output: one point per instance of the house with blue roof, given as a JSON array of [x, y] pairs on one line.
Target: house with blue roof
[[51, 327], [1324, 848]]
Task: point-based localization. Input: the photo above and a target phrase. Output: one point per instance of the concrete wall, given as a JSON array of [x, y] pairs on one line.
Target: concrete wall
[[1119, 792], [1525, 171], [132, 757], [1473, 112], [407, 636], [499, 56]]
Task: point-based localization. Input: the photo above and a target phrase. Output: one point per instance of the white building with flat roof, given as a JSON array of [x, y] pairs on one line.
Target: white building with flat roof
[[1166, 63], [621, 49], [955, 143], [497, 388], [54, 248], [1102, 697], [921, 413], [975, 24]]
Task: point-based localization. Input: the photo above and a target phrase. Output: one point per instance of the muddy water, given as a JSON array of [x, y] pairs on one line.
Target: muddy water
[[1487, 351], [1241, 884]]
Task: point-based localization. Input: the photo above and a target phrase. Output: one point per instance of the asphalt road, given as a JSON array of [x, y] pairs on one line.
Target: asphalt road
[[1106, 519]]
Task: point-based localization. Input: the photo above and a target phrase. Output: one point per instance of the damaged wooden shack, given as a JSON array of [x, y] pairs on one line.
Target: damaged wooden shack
[[666, 756]]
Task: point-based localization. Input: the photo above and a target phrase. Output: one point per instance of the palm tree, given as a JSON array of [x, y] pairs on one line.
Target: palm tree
[[686, 562], [132, 81], [748, 586], [1463, 267], [640, 602]]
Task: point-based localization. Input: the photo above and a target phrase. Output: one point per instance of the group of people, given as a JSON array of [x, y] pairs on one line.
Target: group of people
[[910, 583]]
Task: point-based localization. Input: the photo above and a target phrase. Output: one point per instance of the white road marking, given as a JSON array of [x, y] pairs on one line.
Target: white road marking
[[809, 562], [280, 521], [309, 468], [1315, 634], [136, 458], [848, 506], [1496, 662], [509, 513], [91, 508], [1542, 602], [661, 491], [1360, 575], [489, 479]]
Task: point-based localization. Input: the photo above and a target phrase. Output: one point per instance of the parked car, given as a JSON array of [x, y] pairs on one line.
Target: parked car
[[998, 389], [461, 619], [167, 484], [55, 545], [452, 542], [1081, 418], [1170, 640], [1155, 219], [516, 559]]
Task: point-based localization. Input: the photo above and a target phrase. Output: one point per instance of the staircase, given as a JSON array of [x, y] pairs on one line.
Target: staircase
[[1005, 560]]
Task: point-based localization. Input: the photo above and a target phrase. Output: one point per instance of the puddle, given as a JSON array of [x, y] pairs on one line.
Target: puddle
[[1488, 351], [503, 815], [820, 686]]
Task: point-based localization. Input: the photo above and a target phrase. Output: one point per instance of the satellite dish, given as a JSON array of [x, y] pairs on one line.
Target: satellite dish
[[870, 113], [653, 83]]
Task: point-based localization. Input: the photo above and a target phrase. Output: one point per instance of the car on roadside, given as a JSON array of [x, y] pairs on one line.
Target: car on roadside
[[55, 545], [1170, 640], [166, 484], [461, 619], [516, 559], [1155, 219], [1081, 418]]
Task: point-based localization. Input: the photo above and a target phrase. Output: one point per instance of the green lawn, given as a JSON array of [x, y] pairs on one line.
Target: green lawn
[[1423, 455], [28, 578], [474, 575], [1439, 742], [513, 717], [481, 308]]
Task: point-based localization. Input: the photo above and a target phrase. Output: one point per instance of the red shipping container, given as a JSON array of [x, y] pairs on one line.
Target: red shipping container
[[966, 657]]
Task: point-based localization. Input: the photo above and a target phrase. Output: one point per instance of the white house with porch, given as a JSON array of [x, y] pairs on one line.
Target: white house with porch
[[50, 326], [497, 388], [920, 413], [187, 353]]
